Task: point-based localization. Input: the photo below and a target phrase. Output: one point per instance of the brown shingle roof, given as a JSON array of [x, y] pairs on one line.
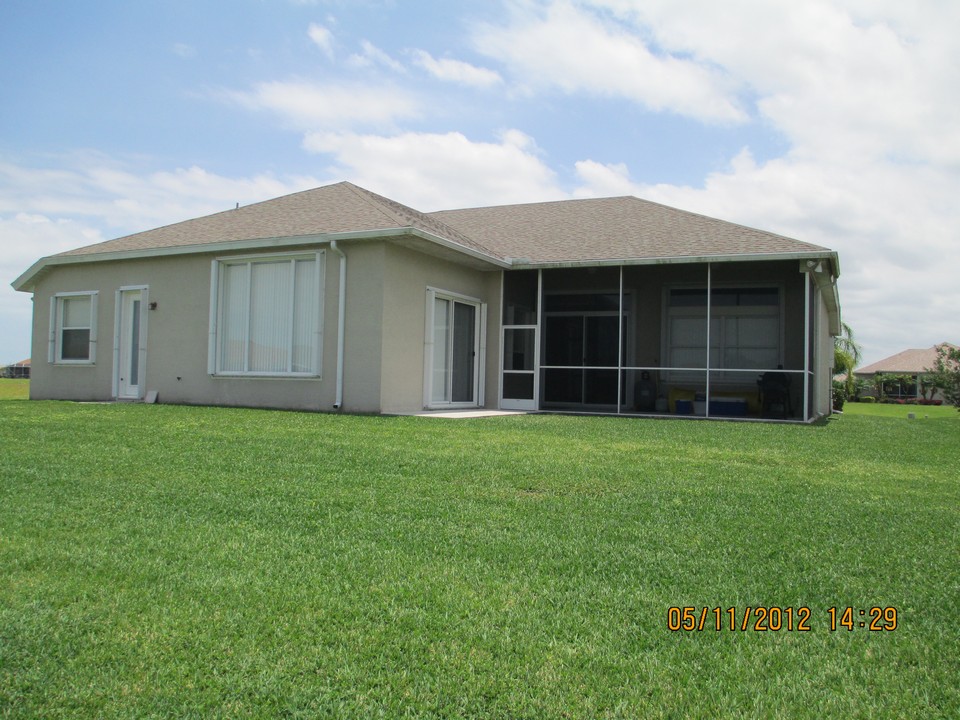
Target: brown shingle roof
[[339, 208], [907, 362], [568, 231], [611, 229]]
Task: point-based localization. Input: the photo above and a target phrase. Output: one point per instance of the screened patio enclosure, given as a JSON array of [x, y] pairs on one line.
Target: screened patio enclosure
[[718, 339]]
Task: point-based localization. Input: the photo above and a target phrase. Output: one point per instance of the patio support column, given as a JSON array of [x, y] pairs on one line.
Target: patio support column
[[620, 346], [806, 346], [706, 411]]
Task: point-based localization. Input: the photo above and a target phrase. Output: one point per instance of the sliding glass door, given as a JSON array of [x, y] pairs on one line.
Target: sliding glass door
[[455, 336]]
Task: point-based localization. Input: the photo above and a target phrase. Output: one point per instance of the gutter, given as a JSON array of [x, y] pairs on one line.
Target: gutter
[[341, 321]]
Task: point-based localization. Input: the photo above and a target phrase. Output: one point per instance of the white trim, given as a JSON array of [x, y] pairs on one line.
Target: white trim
[[55, 349], [214, 317], [217, 309], [144, 291], [429, 345]]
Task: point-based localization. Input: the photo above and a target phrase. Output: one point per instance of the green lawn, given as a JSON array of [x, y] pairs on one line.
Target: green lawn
[[893, 410], [161, 561], [14, 389]]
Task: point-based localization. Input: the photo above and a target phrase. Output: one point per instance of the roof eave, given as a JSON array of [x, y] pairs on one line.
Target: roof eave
[[527, 264], [27, 281]]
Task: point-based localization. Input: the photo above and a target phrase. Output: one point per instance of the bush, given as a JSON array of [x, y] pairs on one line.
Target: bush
[[839, 395], [868, 399]]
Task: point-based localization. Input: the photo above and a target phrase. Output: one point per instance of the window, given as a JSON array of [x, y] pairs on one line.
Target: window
[[73, 328], [744, 329], [267, 315]]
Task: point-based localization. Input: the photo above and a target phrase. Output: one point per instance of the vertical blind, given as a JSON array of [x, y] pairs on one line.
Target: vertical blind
[[269, 316]]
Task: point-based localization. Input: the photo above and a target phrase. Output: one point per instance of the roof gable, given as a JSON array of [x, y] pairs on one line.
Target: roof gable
[[911, 361]]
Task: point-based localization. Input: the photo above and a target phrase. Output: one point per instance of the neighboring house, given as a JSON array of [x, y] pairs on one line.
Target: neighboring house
[[17, 370], [906, 370], [340, 299]]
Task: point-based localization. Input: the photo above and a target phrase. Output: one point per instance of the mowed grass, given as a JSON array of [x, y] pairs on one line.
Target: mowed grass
[[161, 561], [893, 410], [18, 389]]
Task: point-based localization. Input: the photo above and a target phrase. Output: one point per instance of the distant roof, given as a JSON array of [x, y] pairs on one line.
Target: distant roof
[[621, 229], [907, 362]]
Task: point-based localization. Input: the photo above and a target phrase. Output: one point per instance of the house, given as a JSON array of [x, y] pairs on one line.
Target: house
[[906, 371], [337, 298], [17, 370]]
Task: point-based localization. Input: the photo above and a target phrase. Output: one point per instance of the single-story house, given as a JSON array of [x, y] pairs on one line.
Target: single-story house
[[337, 298], [17, 370], [905, 371]]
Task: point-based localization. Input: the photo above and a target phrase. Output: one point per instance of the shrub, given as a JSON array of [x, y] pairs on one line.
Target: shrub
[[868, 399], [839, 395]]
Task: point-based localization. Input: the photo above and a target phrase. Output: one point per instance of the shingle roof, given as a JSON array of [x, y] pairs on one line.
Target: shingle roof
[[339, 208], [611, 229], [907, 362]]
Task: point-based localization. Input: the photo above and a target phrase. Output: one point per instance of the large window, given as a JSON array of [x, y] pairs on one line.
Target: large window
[[267, 315], [73, 328], [744, 329]]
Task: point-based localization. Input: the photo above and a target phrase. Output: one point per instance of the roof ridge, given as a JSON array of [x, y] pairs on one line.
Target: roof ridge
[[403, 214]]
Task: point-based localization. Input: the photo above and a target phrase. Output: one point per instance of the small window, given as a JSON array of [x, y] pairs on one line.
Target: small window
[[267, 315], [73, 328]]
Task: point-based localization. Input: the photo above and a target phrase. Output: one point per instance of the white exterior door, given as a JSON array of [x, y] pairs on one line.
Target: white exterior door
[[130, 348]]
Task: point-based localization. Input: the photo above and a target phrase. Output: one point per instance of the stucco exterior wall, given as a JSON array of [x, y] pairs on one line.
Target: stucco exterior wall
[[407, 276], [177, 335], [823, 364]]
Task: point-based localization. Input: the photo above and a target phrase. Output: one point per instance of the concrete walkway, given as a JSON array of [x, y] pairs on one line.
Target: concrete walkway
[[464, 414]]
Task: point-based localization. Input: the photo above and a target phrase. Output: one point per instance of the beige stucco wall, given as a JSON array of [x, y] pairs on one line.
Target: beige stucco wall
[[177, 338], [407, 276], [383, 339], [823, 363]]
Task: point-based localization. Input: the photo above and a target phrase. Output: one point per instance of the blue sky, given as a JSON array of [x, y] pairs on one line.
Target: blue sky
[[836, 122]]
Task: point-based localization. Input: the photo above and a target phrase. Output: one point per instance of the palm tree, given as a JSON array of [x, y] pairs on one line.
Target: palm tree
[[846, 355]]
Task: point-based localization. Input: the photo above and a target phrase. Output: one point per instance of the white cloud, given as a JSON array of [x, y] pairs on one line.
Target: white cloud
[[439, 171], [322, 38], [371, 56], [307, 105], [577, 50], [456, 71], [868, 96], [862, 79], [93, 197]]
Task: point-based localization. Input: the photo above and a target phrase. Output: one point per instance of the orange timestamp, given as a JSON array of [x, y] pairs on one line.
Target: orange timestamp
[[777, 619]]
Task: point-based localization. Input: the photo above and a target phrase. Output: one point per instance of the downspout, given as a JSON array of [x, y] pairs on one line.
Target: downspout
[[341, 322]]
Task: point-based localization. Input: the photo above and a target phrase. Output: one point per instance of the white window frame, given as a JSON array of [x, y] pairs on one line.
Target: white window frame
[[480, 343], [718, 313], [55, 342], [217, 307]]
